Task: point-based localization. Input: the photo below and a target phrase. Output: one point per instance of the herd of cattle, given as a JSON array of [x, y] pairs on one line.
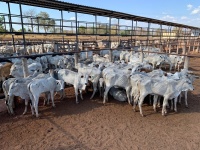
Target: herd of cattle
[[131, 76]]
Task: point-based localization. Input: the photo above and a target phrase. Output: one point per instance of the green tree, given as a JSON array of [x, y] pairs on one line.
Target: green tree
[[31, 13], [45, 22], [82, 30], [2, 29], [20, 30]]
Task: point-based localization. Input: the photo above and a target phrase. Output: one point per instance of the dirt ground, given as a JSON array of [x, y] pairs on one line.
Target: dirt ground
[[90, 125]]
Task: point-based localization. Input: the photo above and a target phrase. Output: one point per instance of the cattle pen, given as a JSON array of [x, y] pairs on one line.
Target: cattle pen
[[93, 123]]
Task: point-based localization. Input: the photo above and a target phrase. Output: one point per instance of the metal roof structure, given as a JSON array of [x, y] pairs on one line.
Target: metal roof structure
[[65, 6]]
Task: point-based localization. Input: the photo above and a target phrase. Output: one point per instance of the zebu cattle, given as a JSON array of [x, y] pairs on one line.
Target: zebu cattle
[[36, 87], [94, 75], [97, 58], [115, 77], [78, 80], [155, 60], [17, 87], [5, 71], [168, 88], [17, 70]]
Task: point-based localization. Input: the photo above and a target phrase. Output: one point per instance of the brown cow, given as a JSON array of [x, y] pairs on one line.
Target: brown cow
[[5, 71]]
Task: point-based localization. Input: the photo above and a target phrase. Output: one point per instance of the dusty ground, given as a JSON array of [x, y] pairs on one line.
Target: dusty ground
[[90, 125]]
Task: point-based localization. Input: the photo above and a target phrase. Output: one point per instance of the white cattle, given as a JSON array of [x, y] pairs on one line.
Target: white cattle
[[168, 88], [5, 87], [17, 70], [36, 87], [155, 60], [78, 80], [114, 77], [18, 88], [97, 58], [94, 75]]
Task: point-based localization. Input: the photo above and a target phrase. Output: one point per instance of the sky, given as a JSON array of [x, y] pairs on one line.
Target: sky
[[179, 11]]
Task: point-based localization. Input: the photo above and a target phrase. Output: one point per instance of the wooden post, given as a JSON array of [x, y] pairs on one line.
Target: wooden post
[[198, 45], [193, 45], [86, 53], [141, 54], [25, 67], [170, 47], [177, 48], [186, 63], [184, 48]]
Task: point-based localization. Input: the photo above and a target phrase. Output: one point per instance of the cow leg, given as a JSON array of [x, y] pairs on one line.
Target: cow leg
[[128, 94], [179, 98], [76, 94], [172, 104], [175, 104], [52, 98], [10, 104], [158, 101], [186, 102], [150, 99], [106, 94], [100, 92], [45, 98], [164, 110], [81, 94], [36, 100], [94, 90], [26, 105], [155, 99], [140, 104], [31, 105]]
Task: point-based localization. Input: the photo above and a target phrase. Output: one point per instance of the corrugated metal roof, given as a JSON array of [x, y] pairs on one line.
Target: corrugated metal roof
[[59, 5]]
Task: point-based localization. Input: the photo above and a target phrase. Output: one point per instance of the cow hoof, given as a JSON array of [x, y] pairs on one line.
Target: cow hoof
[[24, 113], [186, 107], [12, 114], [77, 102], [54, 106]]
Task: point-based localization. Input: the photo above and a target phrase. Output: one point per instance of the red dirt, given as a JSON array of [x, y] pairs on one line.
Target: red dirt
[[91, 125]]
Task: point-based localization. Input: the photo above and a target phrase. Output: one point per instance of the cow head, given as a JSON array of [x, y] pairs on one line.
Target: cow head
[[60, 84], [187, 85]]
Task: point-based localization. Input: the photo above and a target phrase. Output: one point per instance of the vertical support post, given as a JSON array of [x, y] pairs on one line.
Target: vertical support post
[[135, 33], [186, 63], [32, 24], [25, 67], [148, 29], [132, 34], [38, 25], [141, 53], [160, 37], [4, 20], [118, 31], [62, 28], [11, 28], [24, 40], [110, 51], [177, 47], [96, 25], [76, 54], [184, 48], [198, 45]]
